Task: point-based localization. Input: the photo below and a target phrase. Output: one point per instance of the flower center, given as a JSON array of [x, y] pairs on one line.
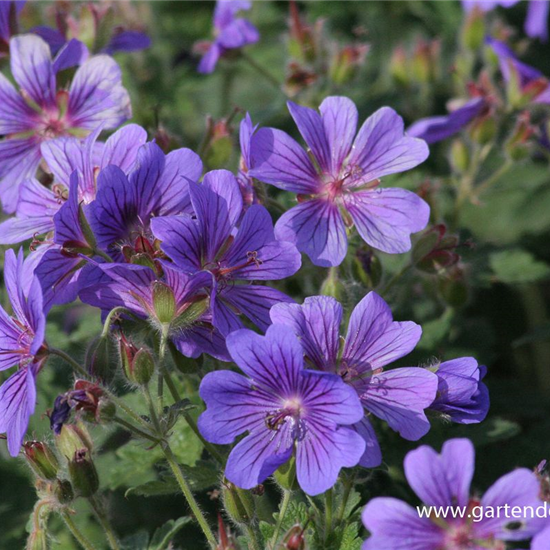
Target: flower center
[[221, 272], [291, 415]]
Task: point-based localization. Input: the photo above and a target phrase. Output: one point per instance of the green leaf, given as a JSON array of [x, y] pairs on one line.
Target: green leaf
[[516, 266], [490, 431], [350, 538], [139, 541], [163, 535], [434, 332]]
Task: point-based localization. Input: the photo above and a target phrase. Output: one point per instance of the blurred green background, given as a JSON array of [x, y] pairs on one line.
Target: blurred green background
[[504, 322]]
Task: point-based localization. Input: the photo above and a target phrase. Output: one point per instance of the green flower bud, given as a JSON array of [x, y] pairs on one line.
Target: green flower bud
[[72, 438], [83, 473], [473, 32], [100, 359], [332, 286], [63, 491], [366, 267], [137, 363], [285, 475], [459, 156], [164, 302], [41, 459], [238, 503]]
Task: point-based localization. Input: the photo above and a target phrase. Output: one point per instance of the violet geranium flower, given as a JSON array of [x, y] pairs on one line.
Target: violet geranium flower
[[374, 340], [443, 480], [37, 204], [40, 112], [174, 303], [9, 12], [22, 345], [438, 128], [233, 255], [284, 408], [230, 33], [341, 188], [461, 395]]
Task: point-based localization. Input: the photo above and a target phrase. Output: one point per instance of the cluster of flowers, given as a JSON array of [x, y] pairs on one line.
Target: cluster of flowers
[[121, 224]]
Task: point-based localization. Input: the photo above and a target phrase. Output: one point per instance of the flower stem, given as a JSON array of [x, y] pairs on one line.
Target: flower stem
[[261, 70], [112, 314], [102, 518], [395, 279], [254, 545], [483, 186], [81, 371], [188, 494], [77, 534], [134, 429], [345, 498], [280, 519], [328, 513]]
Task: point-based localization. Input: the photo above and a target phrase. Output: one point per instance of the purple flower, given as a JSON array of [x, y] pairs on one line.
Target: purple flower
[[211, 241], [340, 188], [444, 481], [530, 80], [373, 340], [284, 408], [540, 542], [536, 22], [461, 395], [246, 183], [9, 12], [37, 204], [230, 33], [487, 5], [22, 345], [157, 186], [171, 300], [438, 128], [40, 113]]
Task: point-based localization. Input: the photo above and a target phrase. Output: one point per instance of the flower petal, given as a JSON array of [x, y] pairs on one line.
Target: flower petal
[[233, 406], [317, 325], [274, 360], [278, 159], [15, 115], [372, 457], [374, 339], [201, 338], [382, 148], [323, 453], [224, 184], [254, 301], [536, 22], [31, 66], [340, 122], [96, 95], [17, 403], [122, 147], [311, 127], [399, 397], [317, 229], [71, 54], [394, 525], [385, 218]]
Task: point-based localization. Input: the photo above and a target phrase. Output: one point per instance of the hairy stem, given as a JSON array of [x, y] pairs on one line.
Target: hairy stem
[[104, 522], [280, 519], [75, 531]]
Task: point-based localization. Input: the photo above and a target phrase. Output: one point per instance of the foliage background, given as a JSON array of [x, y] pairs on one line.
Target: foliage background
[[504, 322]]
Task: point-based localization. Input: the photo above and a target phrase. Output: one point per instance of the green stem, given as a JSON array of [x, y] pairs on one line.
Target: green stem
[[395, 279], [109, 320], [329, 502], [134, 429], [254, 544], [261, 70], [345, 498], [77, 534], [81, 371], [152, 409], [105, 256], [483, 186], [280, 519], [188, 494], [104, 522]]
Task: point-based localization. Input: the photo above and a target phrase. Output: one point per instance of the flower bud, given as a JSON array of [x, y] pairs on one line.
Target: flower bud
[[41, 459], [164, 302], [473, 32], [220, 145], [332, 286], [285, 475], [294, 539], [484, 129], [346, 62], [454, 289], [435, 251], [238, 503], [83, 473], [517, 145], [366, 267], [99, 360], [37, 540], [137, 363], [459, 156], [191, 313], [63, 491], [72, 438], [399, 66]]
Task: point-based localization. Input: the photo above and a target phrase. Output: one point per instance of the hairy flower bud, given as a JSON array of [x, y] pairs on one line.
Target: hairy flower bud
[[459, 156], [164, 302], [41, 459], [73, 437], [294, 539], [332, 286], [137, 363], [473, 32], [238, 503], [83, 473], [99, 360], [63, 491]]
